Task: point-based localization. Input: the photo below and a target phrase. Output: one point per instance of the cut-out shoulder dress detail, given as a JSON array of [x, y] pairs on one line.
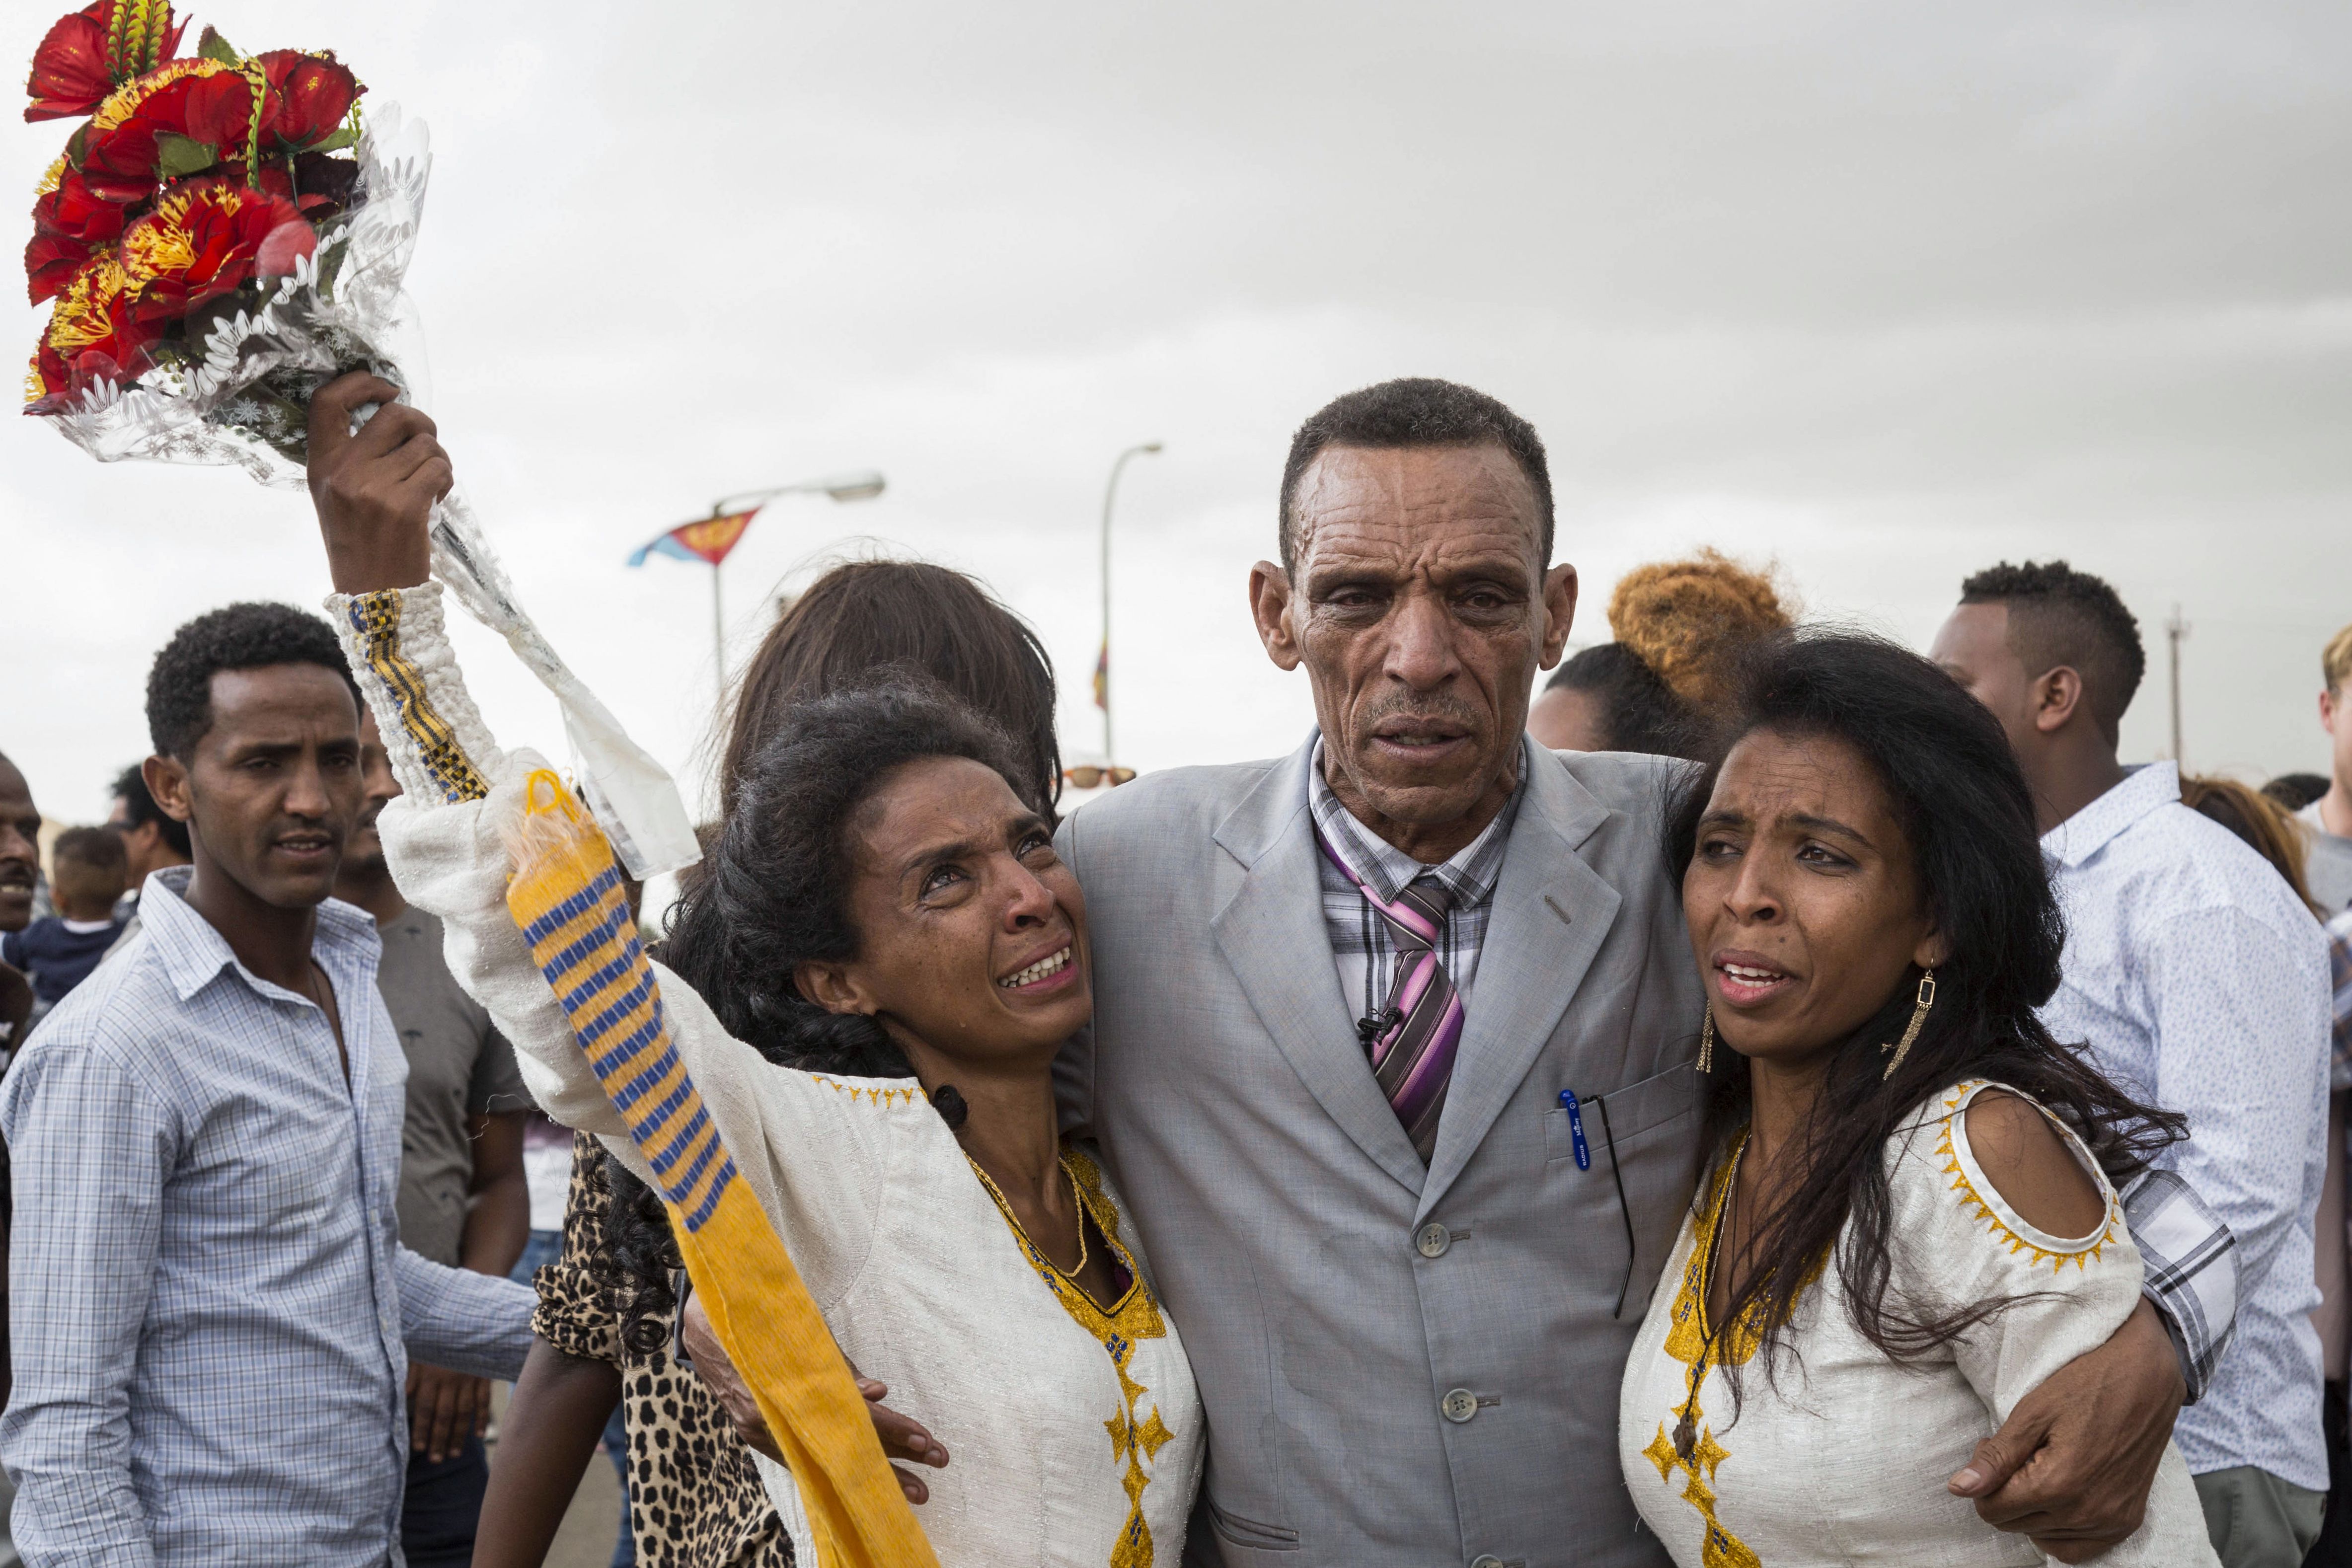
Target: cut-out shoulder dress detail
[[1838, 1455]]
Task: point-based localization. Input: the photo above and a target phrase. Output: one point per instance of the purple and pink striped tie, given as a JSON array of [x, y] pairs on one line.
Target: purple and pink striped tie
[[1412, 1037]]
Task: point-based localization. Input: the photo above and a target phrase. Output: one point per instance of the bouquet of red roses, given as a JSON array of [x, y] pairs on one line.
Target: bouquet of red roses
[[199, 193], [221, 237]]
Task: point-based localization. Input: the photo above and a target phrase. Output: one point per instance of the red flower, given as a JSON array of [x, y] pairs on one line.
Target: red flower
[[219, 109], [69, 221], [121, 147], [312, 94], [69, 75], [92, 52], [91, 334], [203, 239]]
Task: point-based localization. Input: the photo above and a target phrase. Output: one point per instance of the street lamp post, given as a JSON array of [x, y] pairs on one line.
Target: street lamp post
[[1102, 663]]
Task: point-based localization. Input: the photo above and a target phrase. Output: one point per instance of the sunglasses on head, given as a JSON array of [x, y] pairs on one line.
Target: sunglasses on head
[[1087, 775]]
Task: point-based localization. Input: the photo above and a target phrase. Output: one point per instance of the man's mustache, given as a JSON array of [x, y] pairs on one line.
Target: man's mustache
[[1446, 709]]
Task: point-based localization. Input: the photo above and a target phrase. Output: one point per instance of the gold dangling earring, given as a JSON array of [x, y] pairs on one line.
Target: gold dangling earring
[[1706, 1043], [1902, 1048]]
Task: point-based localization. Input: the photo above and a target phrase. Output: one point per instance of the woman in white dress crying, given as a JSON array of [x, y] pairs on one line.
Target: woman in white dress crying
[[1911, 1217]]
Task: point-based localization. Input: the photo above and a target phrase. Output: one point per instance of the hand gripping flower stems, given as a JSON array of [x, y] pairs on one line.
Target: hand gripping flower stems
[[223, 236]]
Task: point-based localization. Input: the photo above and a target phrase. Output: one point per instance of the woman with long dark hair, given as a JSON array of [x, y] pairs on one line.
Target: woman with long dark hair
[[1912, 1216], [608, 1308]]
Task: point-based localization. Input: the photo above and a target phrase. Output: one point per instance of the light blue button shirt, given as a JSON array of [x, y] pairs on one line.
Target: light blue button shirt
[[210, 1309], [2201, 985]]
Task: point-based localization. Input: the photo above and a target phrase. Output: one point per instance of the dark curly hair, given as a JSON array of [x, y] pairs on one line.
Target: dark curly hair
[[2061, 616], [139, 808], [775, 894], [1967, 816], [1638, 713], [1413, 412], [248, 636]]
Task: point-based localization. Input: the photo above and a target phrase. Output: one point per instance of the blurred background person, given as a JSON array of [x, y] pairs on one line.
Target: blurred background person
[[2296, 791], [59, 951], [608, 1312], [1680, 627], [463, 1199], [150, 841], [2199, 982], [20, 864], [2268, 827], [2329, 817], [20, 869]]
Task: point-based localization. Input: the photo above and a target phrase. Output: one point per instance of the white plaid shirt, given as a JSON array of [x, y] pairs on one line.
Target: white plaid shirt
[[208, 1298], [1363, 946], [2189, 1253]]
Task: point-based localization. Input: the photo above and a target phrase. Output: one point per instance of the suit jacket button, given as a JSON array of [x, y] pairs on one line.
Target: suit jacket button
[[1489, 1561], [1432, 1239], [1458, 1405]]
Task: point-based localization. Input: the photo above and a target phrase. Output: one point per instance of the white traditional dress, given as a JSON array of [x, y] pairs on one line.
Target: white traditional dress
[[1074, 1431], [1846, 1458]]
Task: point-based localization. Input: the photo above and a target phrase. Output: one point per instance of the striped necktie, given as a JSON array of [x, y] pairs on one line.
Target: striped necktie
[[1412, 1038]]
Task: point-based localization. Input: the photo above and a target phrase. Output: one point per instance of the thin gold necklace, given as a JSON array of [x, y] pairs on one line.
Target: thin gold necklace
[[1071, 1274]]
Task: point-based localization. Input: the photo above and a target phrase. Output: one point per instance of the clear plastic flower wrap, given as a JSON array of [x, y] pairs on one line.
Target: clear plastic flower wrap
[[215, 262]]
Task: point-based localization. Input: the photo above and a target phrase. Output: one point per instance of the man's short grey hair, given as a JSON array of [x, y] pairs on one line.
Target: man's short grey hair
[[1414, 411]]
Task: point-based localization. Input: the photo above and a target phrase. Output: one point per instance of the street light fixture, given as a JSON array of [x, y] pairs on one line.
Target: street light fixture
[[1102, 663]]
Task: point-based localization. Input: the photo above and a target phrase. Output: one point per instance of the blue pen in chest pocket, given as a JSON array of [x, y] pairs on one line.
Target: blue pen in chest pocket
[[1576, 1129]]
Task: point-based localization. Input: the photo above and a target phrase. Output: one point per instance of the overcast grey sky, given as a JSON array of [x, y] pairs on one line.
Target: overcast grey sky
[[1881, 293]]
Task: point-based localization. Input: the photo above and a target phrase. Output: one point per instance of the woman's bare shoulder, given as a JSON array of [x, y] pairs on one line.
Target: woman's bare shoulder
[[2030, 1163]]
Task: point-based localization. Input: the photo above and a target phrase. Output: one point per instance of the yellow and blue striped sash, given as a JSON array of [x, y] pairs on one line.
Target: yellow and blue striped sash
[[568, 898]]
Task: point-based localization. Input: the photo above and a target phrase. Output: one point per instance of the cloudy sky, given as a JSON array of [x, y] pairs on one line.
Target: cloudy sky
[[1880, 293]]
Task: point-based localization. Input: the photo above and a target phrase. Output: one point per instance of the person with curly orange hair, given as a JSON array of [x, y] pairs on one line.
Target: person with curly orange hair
[[1680, 627]]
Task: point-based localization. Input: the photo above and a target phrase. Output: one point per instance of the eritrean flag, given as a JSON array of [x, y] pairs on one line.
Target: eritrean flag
[[706, 539]]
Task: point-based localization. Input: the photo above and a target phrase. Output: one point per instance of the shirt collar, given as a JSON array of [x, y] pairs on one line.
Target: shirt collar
[[1470, 873], [2098, 824], [191, 951]]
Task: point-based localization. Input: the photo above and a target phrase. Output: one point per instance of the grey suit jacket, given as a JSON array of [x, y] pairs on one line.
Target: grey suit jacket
[[1289, 1221]]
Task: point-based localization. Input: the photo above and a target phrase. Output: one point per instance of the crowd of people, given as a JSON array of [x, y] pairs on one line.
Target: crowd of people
[[1771, 1096]]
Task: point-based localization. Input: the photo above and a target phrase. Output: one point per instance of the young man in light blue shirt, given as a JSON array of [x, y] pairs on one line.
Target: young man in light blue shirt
[[210, 1308], [2200, 983]]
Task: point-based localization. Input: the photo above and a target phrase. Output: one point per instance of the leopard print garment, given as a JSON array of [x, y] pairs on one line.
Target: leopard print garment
[[695, 1497]]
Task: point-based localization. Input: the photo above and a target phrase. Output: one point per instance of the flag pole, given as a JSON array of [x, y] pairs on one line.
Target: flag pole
[[717, 638]]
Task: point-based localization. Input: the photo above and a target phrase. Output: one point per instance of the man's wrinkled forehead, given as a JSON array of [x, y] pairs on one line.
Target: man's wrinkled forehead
[[1417, 503]]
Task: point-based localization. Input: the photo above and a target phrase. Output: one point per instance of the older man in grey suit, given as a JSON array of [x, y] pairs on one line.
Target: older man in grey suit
[[1343, 998]]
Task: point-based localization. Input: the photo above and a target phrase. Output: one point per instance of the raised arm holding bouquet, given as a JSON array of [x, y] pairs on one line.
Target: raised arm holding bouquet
[[853, 1055], [221, 237]]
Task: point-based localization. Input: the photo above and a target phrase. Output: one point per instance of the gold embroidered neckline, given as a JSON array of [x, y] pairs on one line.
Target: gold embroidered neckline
[[1135, 1317], [1029, 1243]]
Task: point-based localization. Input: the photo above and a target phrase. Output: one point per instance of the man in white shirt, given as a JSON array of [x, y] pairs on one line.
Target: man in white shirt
[[2201, 984], [2328, 871]]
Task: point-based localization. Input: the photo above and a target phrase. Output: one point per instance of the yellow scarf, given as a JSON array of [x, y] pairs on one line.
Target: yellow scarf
[[567, 897]]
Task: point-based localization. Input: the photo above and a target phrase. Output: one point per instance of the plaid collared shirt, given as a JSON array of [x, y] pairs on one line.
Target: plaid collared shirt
[[2189, 1268], [211, 1303], [1363, 946]]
